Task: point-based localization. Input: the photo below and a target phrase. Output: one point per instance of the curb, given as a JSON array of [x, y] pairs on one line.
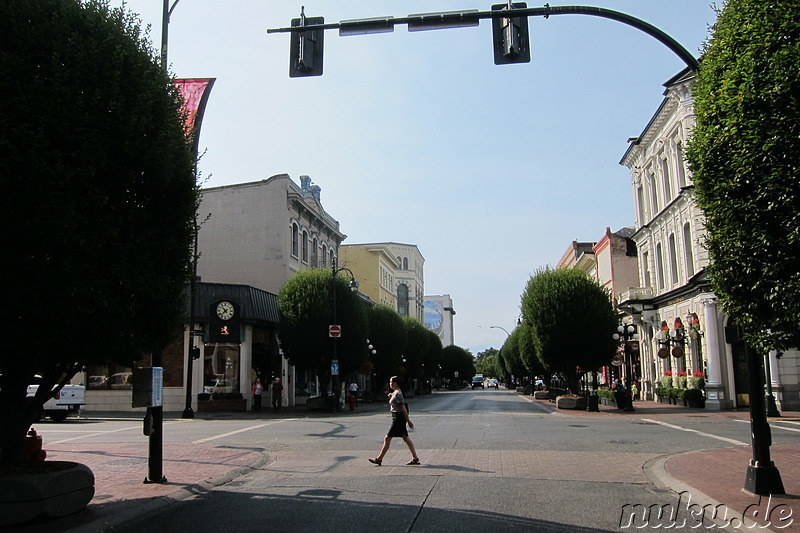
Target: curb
[[655, 470]]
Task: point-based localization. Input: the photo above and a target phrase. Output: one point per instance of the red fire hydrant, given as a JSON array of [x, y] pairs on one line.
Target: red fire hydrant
[[33, 446], [352, 402]]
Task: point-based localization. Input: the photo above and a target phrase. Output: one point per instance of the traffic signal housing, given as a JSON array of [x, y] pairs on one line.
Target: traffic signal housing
[[510, 36], [305, 48]]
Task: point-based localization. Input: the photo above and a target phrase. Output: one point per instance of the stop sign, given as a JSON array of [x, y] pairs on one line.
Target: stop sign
[[334, 331]]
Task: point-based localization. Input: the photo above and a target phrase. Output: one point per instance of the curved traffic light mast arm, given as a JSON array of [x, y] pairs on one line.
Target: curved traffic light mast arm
[[452, 19]]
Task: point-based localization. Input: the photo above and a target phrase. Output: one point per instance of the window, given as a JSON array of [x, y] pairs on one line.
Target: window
[[324, 255], [659, 267], [688, 250], [679, 164], [646, 269], [305, 246], [651, 184], [294, 239], [405, 263], [314, 253], [402, 299], [673, 260], [332, 260], [667, 180], [640, 205]]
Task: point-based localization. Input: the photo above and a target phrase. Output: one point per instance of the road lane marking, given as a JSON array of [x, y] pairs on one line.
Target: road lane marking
[[98, 433], [774, 424], [228, 434], [703, 433]]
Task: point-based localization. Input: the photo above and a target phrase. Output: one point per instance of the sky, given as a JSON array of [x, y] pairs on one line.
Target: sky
[[419, 138]]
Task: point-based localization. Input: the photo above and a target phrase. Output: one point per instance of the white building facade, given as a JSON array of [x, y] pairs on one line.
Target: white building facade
[[681, 324]]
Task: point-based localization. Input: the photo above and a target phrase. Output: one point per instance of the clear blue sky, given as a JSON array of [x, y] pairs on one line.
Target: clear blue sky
[[419, 138]]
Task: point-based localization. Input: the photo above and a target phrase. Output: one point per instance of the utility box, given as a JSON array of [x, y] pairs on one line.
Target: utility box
[[148, 386]]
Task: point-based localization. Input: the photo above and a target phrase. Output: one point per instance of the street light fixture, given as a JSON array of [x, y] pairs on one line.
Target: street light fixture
[[338, 332], [625, 334]]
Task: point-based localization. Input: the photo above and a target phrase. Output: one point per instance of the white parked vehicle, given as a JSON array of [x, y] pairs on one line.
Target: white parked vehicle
[[68, 401]]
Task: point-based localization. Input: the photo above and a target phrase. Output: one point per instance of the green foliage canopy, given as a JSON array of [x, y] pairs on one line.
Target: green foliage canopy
[[571, 319], [99, 187], [387, 333], [306, 307], [745, 159]]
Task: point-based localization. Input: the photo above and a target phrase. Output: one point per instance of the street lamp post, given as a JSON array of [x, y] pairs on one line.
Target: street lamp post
[[627, 333], [335, 360]]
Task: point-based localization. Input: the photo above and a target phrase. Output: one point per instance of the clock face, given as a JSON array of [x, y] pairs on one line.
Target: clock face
[[225, 310]]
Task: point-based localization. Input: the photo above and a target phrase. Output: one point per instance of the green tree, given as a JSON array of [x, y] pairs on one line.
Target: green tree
[[457, 359], [417, 345], [745, 158], [486, 363], [387, 333], [571, 319], [99, 181], [306, 308]]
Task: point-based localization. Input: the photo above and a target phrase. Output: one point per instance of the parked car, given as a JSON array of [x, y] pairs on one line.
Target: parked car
[[68, 401], [121, 380]]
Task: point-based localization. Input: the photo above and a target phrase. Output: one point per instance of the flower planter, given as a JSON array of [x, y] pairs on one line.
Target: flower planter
[[59, 489], [569, 402]]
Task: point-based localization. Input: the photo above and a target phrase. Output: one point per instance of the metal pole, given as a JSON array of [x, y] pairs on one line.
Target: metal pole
[[334, 379], [155, 473], [763, 476]]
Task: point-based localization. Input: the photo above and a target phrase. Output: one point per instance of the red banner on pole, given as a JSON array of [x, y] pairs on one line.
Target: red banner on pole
[[195, 92]]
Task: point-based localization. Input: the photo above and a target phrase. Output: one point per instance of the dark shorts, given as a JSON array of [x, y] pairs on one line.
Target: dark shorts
[[398, 428]]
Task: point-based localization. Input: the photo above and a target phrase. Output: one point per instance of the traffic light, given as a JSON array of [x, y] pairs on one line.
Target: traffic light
[[305, 48], [195, 351], [510, 37]]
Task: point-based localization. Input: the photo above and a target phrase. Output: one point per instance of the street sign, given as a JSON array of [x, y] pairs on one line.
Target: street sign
[[334, 331], [335, 367]]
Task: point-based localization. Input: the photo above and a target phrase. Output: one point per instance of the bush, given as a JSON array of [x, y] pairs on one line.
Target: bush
[[605, 393], [666, 381], [680, 382], [697, 383]]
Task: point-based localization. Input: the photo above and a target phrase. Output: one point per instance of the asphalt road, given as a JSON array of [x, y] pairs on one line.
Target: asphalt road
[[491, 460]]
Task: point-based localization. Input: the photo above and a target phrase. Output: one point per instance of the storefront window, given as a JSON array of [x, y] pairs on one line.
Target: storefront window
[[113, 377], [221, 368]]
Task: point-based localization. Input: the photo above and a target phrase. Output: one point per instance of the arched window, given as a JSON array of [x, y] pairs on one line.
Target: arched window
[[646, 269], [305, 246], [688, 250], [640, 204], [651, 184], [659, 267], [667, 180], [402, 299], [295, 239], [673, 260], [314, 246], [324, 255], [679, 164], [405, 263]]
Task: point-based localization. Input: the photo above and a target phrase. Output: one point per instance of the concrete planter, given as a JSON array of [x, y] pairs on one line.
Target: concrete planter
[[541, 395], [51, 493], [206, 406], [568, 402]]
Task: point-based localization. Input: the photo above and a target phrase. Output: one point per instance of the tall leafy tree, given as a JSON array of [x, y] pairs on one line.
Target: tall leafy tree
[[387, 333], [417, 345], [306, 308], [457, 359], [745, 158], [99, 190], [571, 319]]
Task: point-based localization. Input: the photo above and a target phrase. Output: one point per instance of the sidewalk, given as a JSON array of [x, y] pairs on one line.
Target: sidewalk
[[715, 477], [712, 477]]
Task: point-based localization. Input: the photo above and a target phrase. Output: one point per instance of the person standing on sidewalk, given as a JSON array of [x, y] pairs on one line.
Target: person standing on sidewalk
[[277, 394], [397, 405], [258, 388]]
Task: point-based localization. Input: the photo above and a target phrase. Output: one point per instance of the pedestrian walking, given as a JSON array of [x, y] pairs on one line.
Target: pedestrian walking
[[634, 391], [277, 394], [258, 388], [397, 405]]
